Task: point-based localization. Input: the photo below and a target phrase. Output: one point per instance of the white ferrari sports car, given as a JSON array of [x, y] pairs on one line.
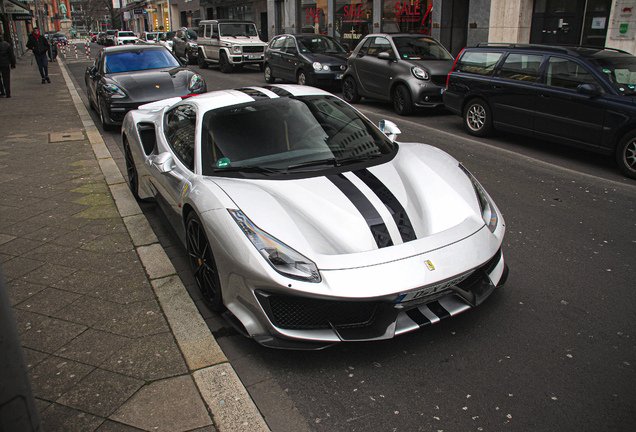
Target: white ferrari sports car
[[307, 225]]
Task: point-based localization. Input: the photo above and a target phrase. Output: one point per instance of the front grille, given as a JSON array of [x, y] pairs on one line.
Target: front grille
[[298, 313], [439, 80], [337, 68], [253, 49]]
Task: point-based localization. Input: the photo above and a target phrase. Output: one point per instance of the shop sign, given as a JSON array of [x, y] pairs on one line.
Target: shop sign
[[312, 15], [353, 13]]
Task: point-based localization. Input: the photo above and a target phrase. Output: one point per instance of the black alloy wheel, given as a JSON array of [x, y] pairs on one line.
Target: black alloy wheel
[[350, 90], [402, 100], [626, 154], [477, 118], [201, 60], [301, 78], [224, 64], [131, 170], [202, 263]]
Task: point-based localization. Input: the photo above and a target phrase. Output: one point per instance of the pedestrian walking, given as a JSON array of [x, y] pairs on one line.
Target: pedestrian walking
[[7, 62], [40, 47]]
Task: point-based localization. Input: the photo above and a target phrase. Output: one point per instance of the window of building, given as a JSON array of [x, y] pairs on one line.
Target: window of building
[[314, 16], [352, 21], [407, 16]]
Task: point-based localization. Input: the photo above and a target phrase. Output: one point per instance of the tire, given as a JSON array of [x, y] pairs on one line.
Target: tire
[[131, 171], [269, 76], [301, 78], [191, 60], [224, 64], [202, 263], [402, 100], [350, 90], [477, 118], [201, 60], [100, 107], [626, 154]]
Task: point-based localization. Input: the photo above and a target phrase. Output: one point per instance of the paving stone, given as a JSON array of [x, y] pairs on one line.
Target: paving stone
[[20, 290], [18, 266], [149, 358], [58, 418], [50, 334], [41, 405], [111, 426], [170, 405], [135, 320], [25, 320], [47, 301], [88, 311], [32, 357], [55, 376], [85, 282], [93, 347], [101, 392], [48, 274], [111, 243], [19, 246], [46, 233], [76, 238]]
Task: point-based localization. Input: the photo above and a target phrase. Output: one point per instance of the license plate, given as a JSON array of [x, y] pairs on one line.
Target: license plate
[[429, 290], [253, 56], [339, 76]]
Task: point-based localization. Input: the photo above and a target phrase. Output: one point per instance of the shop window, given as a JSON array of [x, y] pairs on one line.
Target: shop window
[[407, 16], [353, 20], [314, 16]]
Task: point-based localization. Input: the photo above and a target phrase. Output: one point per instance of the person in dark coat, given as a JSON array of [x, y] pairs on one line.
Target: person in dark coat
[[7, 62], [40, 47]]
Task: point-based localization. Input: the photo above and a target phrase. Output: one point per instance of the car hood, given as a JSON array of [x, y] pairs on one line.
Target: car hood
[[325, 223], [435, 67], [155, 84], [327, 58]]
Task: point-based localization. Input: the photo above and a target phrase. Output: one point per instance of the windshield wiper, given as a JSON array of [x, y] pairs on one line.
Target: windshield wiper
[[320, 162], [355, 159], [248, 168]]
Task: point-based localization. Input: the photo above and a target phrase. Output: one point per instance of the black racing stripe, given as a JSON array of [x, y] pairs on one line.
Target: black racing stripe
[[254, 93], [391, 202], [278, 91], [418, 317], [438, 310], [374, 220]]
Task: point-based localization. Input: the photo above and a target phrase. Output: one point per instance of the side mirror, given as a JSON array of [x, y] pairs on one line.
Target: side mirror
[[163, 162], [390, 129], [590, 89], [385, 56]]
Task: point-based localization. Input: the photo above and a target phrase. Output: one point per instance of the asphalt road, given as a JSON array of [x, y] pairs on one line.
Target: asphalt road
[[553, 350]]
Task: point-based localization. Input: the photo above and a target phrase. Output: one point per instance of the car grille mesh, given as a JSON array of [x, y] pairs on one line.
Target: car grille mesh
[[297, 313], [258, 49]]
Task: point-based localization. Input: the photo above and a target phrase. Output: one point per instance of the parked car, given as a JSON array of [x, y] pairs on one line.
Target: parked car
[[579, 96], [229, 44], [306, 59], [58, 38], [101, 38], [149, 37], [306, 224], [126, 76], [124, 38], [408, 70], [165, 39], [184, 45], [94, 37]]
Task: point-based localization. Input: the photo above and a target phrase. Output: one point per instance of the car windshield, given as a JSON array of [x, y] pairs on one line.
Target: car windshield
[[151, 36], [620, 71], [420, 48], [111, 32], [124, 33], [288, 134], [237, 29], [138, 60], [319, 45]]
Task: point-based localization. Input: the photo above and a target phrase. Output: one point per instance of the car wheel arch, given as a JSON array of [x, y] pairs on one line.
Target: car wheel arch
[[626, 141]]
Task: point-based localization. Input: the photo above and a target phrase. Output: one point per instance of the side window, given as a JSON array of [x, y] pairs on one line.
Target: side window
[[278, 43], [289, 44], [201, 31], [378, 45], [215, 31], [521, 67], [179, 127], [365, 48], [567, 74], [478, 62]]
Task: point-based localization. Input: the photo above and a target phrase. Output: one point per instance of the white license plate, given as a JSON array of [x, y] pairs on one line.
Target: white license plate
[[253, 56], [339, 76]]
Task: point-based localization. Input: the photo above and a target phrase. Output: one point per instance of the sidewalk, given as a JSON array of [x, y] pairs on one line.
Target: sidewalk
[[111, 338]]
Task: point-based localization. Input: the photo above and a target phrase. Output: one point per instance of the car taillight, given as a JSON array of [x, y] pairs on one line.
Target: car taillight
[[453, 68]]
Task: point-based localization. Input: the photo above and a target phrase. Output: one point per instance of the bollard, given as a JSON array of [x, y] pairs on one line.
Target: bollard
[[75, 45], [87, 48], [64, 49]]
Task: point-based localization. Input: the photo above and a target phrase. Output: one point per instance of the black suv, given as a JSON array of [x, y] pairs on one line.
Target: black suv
[[579, 96]]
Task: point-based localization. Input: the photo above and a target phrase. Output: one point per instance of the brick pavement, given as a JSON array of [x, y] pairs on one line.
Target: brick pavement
[[111, 338]]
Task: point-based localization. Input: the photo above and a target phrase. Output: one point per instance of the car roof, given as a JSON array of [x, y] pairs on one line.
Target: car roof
[[226, 20], [131, 48], [573, 50]]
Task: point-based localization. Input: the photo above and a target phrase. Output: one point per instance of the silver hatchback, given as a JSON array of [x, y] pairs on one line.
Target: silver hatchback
[[408, 70]]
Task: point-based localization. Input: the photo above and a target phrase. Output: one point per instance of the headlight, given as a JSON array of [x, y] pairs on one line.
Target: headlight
[[113, 91], [281, 257], [237, 49], [196, 83], [488, 212], [419, 73], [317, 66], [192, 44]]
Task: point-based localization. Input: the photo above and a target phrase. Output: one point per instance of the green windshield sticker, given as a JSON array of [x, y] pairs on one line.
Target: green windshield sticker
[[607, 71], [223, 163]]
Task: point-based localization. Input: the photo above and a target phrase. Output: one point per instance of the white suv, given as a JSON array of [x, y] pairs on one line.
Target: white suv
[[125, 37], [229, 43]]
